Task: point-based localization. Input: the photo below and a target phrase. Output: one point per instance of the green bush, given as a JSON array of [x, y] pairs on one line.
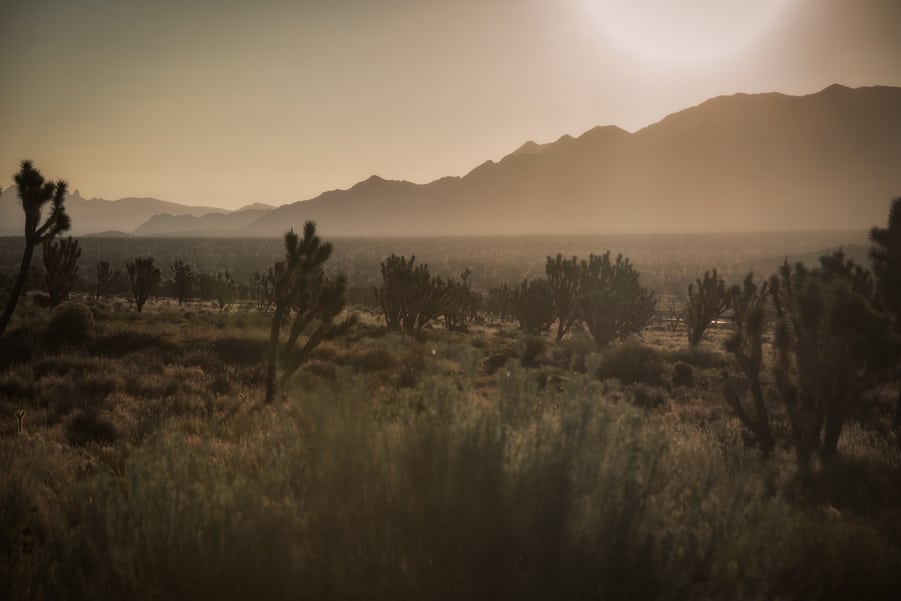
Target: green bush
[[70, 324], [632, 363]]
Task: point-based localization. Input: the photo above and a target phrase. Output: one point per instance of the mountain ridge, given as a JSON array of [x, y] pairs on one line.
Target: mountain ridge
[[739, 162]]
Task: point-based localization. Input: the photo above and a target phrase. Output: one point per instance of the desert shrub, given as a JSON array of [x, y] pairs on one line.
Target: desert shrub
[[530, 349], [84, 427], [322, 369], [412, 367], [70, 324], [498, 356], [241, 351], [377, 359], [17, 383], [697, 357], [647, 397], [220, 383], [18, 346], [683, 374], [632, 363], [130, 341]]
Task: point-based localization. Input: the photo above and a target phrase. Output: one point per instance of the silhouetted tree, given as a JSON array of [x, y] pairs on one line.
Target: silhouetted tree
[[613, 303], [460, 302], [409, 296], [182, 280], [262, 289], [301, 287], [746, 346], [705, 304], [143, 276], [533, 306], [831, 345], [500, 301], [105, 277], [61, 270], [35, 193], [225, 290], [565, 277], [886, 258]]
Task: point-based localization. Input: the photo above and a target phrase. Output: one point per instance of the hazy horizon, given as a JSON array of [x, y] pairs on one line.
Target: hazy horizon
[[221, 105]]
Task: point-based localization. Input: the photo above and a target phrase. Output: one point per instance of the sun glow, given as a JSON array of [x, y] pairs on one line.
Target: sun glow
[[685, 31]]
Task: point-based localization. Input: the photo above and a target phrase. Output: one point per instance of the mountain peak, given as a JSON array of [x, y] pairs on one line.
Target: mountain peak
[[530, 147], [833, 88], [256, 206]]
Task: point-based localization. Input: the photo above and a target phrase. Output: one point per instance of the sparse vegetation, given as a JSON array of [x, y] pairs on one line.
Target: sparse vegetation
[[471, 461]]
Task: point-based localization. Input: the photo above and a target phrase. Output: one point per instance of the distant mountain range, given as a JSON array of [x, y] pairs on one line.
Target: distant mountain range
[[746, 162]]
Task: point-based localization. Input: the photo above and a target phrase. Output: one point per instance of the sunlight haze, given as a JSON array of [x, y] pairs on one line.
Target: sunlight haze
[[226, 103]]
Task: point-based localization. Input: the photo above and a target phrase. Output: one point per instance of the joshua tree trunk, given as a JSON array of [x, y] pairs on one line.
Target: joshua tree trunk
[[272, 369], [17, 289]]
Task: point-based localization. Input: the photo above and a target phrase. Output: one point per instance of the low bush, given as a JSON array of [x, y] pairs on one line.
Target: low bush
[[70, 324], [698, 357], [683, 375], [84, 427], [632, 363]]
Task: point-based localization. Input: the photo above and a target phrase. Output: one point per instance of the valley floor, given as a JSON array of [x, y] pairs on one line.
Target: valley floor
[[142, 463]]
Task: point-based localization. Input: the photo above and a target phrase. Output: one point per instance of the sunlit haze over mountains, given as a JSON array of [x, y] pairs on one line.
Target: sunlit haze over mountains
[[224, 104]]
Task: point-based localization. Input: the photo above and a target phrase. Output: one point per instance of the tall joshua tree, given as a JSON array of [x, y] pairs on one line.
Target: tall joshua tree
[[302, 288], [35, 192], [143, 276]]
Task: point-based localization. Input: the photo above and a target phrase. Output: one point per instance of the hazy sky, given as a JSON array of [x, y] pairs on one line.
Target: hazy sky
[[225, 103]]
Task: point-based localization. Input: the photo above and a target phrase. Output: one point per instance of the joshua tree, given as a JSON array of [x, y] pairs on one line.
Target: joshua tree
[[61, 265], [831, 345], [500, 301], [565, 277], [143, 276], [262, 288], [746, 346], [225, 289], [460, 302], [886, 258], [105, 277], [533, 306], [182, 279], [409, 296], [35, 193], [302, 287], [707, 304], [613, 304]]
